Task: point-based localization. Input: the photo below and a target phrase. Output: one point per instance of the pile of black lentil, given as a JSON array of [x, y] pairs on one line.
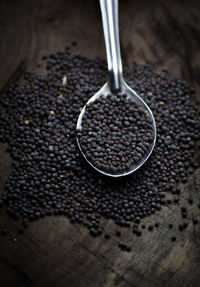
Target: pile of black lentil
[[49, 175], [116, 133]]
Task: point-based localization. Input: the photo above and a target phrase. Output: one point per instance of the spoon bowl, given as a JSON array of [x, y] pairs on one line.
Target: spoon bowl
[[125, 89], [116, 84]]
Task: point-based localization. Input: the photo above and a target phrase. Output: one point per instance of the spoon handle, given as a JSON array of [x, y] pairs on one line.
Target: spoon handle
[[109, 12]]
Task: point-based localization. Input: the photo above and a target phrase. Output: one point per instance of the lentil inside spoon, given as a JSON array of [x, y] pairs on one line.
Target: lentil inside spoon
[[115, 91]]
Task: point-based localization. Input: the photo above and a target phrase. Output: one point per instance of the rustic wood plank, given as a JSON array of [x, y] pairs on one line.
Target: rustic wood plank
[[54, 252]]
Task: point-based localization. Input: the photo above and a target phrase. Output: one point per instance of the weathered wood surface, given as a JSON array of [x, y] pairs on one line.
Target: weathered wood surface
[[54, 252]]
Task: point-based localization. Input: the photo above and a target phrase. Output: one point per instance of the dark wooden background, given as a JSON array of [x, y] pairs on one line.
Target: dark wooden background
[[53, 252]]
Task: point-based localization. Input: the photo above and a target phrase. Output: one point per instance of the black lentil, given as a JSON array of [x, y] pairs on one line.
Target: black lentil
[[128, 248], [195, 221], [181, 226], [138, 232], [107, 235], [173, 238], [169, 200], [183, 209], [190, 200], [122, 246], [176, 200], [150, 228]]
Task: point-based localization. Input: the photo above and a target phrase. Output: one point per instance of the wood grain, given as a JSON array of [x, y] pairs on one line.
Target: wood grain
[[54, 252]]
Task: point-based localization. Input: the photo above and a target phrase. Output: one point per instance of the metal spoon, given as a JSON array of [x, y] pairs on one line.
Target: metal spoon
[[116, 83]]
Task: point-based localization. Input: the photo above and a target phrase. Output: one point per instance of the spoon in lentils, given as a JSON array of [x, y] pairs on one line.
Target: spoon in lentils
[[116, 130]]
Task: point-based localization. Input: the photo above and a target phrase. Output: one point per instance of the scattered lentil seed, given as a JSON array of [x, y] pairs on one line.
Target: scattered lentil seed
[[169, 200], [195, 221], [190, 200], [183, 209], [150, 228], [181, 226], [173, 238], [139, 233], [122, 246], [184, 214], [107, 235], [176, 200], [128, 248]]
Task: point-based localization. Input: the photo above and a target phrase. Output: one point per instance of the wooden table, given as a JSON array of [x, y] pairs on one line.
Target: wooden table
[[53, 252]]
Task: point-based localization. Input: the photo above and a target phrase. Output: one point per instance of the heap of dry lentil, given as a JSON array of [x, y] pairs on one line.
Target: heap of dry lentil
[[116, 133], [49, 175]]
